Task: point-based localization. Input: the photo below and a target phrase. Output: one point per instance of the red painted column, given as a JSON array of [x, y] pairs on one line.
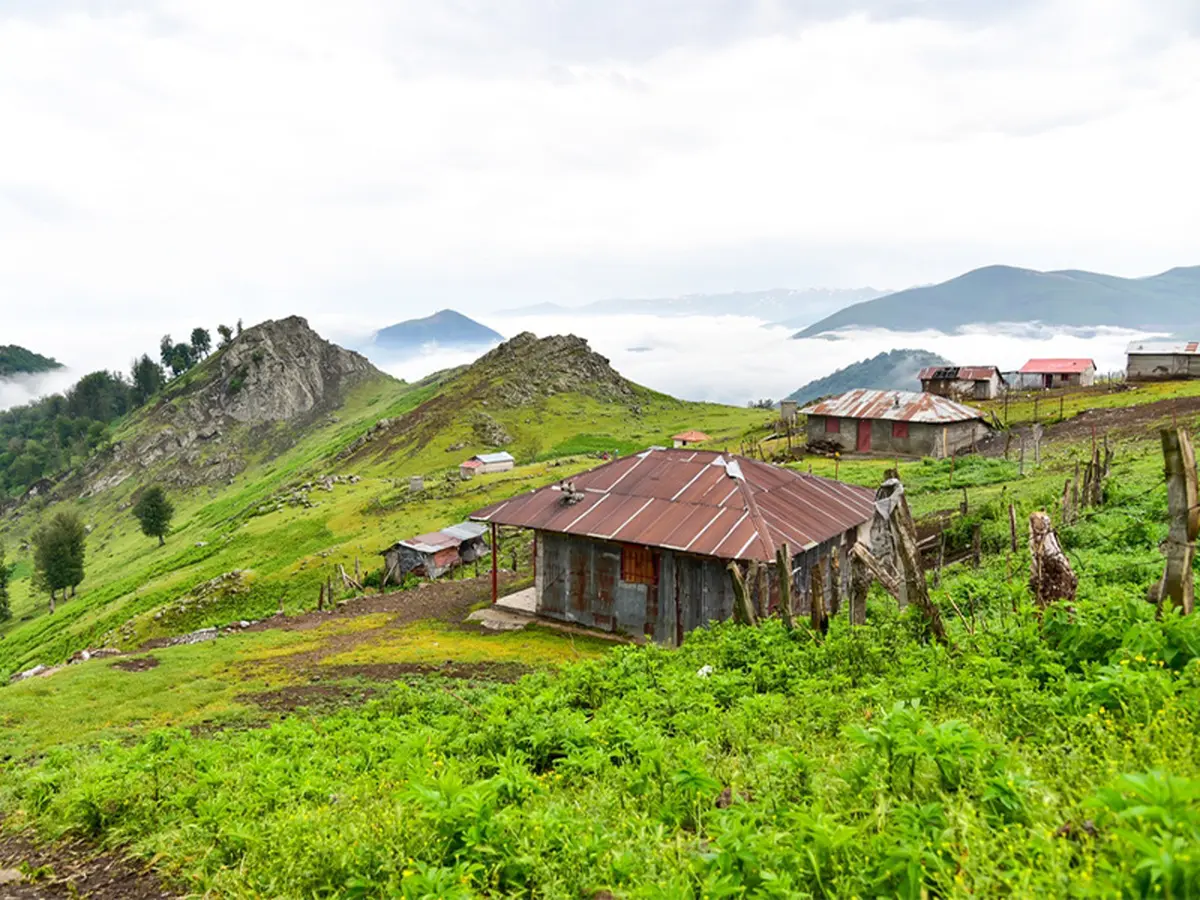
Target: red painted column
[[495, 571]]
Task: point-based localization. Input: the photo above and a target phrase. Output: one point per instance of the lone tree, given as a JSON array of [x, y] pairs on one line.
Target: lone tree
[[183, 357], [166, 349], [153, 510], [226, 334], [201, 342], [5, 572], [148, 379], [58, 555]]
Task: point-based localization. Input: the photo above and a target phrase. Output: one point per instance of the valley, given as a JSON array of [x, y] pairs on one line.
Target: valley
[[391, 746]]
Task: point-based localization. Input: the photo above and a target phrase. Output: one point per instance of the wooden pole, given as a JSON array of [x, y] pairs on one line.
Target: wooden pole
[[916, 591], [495, 569], [820, 621], [835, 582], [783, 569], [1021, 465], [977, 545], [743, 609], [1012, 525], [1183, 505], [860, 584]]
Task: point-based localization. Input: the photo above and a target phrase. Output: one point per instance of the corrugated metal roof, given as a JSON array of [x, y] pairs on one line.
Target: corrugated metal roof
[[690, 436], [488, 458], [959, 373], [1057, 366], [902, 406], [452, 536], [1171, 348], [694, 501], [470, 464]]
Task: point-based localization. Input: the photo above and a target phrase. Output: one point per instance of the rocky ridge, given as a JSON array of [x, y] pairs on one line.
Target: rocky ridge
[[278, 372]]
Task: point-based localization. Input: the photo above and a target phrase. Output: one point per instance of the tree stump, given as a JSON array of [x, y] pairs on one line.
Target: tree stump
[[783, 566], [1051, 577], [1178, 584]]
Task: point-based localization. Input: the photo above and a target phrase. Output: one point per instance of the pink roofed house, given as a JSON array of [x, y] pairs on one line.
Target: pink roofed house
[[1052, 373]]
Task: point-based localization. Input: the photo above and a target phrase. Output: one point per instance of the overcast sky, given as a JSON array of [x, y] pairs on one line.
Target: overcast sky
[[182, 161]]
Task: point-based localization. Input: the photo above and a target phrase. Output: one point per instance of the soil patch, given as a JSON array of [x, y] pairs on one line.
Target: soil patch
[[448, 601], [1117, 421], [73, 869], [138, 664], [323, 698], [488, 671]]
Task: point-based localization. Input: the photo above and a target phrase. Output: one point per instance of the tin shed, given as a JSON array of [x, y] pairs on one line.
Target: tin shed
[[641, 545], [1163, 360], [435, 553]]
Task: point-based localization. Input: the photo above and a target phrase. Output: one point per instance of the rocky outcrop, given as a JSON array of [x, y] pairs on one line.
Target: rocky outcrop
[[528, 367], [279, 372]]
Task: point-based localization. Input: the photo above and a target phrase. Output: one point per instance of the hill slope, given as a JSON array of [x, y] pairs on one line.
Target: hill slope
[[894, 370], [446, 328], [16, 360], [304, 466], [1167, 301]]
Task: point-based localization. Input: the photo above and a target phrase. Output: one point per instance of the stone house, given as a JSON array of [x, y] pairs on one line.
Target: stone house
[[1044, 374], [895, 423], [962, 382]]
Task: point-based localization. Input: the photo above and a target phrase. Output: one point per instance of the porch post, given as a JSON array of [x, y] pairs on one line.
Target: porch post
[[495, 574]]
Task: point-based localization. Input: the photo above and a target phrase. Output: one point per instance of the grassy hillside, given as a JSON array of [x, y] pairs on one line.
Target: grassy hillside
[[894, 370], [16, 360], [1164, 302], [1036, 756], [272, 519]]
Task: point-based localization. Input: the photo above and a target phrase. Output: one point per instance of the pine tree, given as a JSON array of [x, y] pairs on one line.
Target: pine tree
[[148, 379], [154, 511], [58, 555], [5, 573]]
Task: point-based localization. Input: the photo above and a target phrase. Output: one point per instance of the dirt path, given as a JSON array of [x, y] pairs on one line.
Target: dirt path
[[72, 869], [1123, 421]]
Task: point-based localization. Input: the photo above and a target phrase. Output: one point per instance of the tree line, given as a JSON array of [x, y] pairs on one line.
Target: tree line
[[50, 435]]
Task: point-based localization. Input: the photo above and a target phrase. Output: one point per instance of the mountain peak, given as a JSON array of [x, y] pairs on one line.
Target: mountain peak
[[16, 360], [444, 328]]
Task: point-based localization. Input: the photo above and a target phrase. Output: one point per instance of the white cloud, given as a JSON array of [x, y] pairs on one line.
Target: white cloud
[[209, 159]]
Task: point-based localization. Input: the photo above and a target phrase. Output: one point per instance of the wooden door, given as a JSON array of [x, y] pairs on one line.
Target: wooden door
[[864, 435]]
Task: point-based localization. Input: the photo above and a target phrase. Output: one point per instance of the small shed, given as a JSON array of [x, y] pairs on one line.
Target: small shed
[[896, 423], [1044, 374], [687, 438], [958, 382], [1163, 360], [484, 463], [642, 545], [435, 553]]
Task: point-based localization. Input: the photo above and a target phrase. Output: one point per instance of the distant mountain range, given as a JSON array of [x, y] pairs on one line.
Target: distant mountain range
[[784, 306], [446, 328], [1167, 302], [893, 371], [16, 360]]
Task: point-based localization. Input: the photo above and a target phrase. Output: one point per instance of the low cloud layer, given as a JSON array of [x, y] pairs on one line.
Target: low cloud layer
[[733, 359]]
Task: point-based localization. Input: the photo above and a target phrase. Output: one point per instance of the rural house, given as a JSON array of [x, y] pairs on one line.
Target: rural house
[[1043, 374], [484, 463], [962, 382], [641, 545], [895, 423], [1163, 360], [686, 438], [435, 553]]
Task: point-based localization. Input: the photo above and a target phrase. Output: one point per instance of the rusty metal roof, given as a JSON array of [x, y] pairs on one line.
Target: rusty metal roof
[[959, 373], [902, 406], [1057, 366], [451, 536], [1158, 348], [690, 436], [693, 501]]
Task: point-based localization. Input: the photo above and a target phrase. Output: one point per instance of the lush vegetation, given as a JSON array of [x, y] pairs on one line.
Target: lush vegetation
[[1051, 759], [16, 360]]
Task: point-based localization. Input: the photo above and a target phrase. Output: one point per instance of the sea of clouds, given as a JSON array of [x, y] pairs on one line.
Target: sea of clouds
[[735, 359], [726, 359]]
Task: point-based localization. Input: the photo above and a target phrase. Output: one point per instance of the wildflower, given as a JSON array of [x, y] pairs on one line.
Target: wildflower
[[1140, 658], [704, 671]]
